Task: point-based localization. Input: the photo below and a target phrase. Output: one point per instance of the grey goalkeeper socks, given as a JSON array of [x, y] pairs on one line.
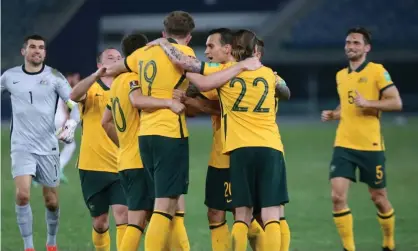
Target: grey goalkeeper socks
[[25, 220]]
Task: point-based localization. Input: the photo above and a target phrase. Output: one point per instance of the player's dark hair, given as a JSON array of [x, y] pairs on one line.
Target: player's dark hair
[[99, 55], [33, 37], [132, 42], [178, 24], [227, 36], [260, 46], [244, 44], [367, 35]]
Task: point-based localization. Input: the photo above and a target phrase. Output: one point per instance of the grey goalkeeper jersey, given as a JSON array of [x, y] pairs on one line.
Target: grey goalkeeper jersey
[[34, 99]]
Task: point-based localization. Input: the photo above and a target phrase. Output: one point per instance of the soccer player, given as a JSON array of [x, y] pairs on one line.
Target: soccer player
[[163, 135], [365, 90], [247, 109], [218, 185], [282, 93], [122, 117], [218, 189], [61, 116], [35, 89], [98, 159]]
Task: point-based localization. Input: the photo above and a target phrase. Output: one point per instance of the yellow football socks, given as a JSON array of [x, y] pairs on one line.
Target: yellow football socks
[[158, 231], [387, 223], [285, 234], [120, 232], [256, 236], [101, 241], [344, 222], [220, 236], [132, 238], [179, 241], [272, 232], [239, 236]]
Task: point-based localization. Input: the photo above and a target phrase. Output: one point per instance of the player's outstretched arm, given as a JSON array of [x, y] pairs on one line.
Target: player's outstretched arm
[[109, 126], [79, 91], [196, 103], [218, 79], [202, 105], [177, 57], [390, 101], [150, 104]]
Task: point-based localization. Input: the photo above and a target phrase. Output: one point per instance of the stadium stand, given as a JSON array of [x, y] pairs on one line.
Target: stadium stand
[[393, 23]]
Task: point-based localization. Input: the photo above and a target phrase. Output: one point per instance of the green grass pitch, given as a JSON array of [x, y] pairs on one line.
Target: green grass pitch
[[308, 148]]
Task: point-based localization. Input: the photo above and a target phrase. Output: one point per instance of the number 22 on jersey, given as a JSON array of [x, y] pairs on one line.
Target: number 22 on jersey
[[258, 107]]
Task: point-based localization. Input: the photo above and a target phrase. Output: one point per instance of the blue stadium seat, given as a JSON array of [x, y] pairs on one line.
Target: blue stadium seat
[[18, 17], [392, 23]]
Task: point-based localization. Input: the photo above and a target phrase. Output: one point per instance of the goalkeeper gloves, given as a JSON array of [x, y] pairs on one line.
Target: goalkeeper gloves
[[66, 133]]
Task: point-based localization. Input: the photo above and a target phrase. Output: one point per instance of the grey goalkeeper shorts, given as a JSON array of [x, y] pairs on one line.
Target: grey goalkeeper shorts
[[45, 169]]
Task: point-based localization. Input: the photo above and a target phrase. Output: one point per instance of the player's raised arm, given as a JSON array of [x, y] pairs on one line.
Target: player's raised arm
[[186, 62], [109, 126], [218, 79], [150, 104], [79, 91]]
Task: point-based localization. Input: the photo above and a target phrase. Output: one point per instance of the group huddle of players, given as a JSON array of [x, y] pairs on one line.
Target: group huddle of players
[[134, 153], [143, 157]]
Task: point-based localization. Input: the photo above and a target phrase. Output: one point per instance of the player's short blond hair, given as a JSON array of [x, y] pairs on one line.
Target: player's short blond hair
[[178, 24], [100, 54]]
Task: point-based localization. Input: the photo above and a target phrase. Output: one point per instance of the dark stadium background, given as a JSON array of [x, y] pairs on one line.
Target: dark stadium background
[[304, 44]]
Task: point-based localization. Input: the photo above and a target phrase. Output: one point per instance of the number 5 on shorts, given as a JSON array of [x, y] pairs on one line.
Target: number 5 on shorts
[[379, 172]]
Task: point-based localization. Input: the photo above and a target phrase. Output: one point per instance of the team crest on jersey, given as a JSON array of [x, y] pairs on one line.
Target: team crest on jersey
[[43, 82], [362, 80]]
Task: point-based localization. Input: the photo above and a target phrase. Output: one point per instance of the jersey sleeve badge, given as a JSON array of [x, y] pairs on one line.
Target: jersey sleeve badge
[[133, 84], [387, 76]]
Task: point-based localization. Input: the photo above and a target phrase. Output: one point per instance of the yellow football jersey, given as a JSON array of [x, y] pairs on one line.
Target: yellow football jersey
[[248, 109], [97, 151], [359, 128], [158, 77], [126, 119], [217, 158]]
